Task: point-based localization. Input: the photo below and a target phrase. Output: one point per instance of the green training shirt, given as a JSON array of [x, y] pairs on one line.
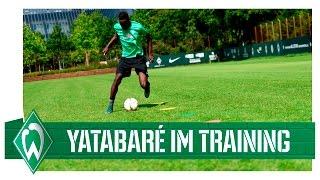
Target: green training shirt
[[131, 39]]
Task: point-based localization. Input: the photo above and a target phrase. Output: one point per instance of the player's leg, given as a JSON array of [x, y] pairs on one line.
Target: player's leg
[[113, 92], [142, 71], [115, 85], [144, 83], [123, 70]]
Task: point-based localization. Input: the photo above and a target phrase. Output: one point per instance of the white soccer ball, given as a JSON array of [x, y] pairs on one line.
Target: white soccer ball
[[130, 104]]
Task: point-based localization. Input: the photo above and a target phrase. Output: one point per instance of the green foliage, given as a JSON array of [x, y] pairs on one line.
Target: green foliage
[[172, 30], [286, 13], [91, 31], [58, 41], [96, 56], [34, 48], [76, 57], [58, 45], [197, 29]]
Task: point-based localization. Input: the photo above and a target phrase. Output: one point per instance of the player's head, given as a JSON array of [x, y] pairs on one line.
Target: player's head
[[124, 20]]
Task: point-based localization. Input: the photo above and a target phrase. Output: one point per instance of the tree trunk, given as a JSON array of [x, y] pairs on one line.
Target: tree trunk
[[87, 58], [192, 44], [209, 45], [59, 63]]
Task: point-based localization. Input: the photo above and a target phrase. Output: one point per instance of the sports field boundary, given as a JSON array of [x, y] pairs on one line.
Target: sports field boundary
[[68, 75]]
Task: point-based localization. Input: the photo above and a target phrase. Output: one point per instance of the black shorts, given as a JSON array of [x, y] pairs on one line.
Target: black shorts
[[126, 64]]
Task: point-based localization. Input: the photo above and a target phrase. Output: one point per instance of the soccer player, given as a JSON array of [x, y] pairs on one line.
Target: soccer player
[[131, 35]]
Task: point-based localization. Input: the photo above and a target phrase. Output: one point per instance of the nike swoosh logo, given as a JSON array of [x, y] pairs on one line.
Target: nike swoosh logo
[[173, 60]]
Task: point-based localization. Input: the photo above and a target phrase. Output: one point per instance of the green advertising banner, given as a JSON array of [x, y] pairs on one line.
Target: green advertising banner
[[34, 140], [159, 140], [237, 53], [267, 49], [231, 53], [182, 59], [297, 45], [274, 48]]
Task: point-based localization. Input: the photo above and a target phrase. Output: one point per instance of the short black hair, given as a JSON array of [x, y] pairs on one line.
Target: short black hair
[[123, 15]]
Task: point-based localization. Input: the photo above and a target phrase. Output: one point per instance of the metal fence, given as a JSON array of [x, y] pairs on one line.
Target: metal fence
[[287, 28]]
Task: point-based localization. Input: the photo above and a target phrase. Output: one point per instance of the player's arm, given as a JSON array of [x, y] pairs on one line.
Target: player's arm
[[113, 40], [150, 47]]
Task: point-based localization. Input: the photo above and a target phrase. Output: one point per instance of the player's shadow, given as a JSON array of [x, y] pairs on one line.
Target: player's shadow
[[150, 105]]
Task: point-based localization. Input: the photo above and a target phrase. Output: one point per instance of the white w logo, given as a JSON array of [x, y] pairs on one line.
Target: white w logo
[[33, 148]]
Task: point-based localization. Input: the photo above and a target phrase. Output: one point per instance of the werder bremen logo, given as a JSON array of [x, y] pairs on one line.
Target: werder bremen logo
[[33, 141]]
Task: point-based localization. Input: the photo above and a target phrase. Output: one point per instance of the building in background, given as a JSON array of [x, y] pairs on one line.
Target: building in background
[[43, 20]]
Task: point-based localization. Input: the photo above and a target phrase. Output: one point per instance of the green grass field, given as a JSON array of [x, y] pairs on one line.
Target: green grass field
[[257, 89]]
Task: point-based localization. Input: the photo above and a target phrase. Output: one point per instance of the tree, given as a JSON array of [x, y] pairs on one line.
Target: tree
[[58, 45], [90, 32], [176, 30], [34, 49]]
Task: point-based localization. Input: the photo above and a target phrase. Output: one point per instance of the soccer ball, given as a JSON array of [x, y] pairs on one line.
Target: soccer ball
[[130, 104]]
